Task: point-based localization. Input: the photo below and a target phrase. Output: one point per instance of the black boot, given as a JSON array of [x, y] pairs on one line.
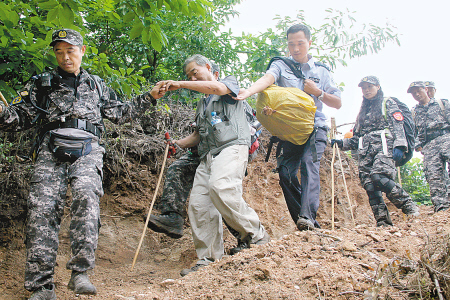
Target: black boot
[[381, 214], [170, 224], [379, 208], [242, 244]]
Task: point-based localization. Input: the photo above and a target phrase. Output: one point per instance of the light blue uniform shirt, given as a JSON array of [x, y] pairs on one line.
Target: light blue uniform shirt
[[321, 76]]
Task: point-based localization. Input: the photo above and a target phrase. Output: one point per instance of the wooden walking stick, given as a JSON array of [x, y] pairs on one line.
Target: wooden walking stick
[[400, 182], [333, 135], [346, 189], [4, 100], [167, 137]]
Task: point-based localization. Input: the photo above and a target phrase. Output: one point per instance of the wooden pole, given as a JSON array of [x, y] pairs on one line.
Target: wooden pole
[[4, 100], [151, 206], [346, 189], [333, 135], [400, 182]]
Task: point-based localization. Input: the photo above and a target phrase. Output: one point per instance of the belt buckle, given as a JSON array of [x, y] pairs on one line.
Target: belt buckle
[[82, 124]]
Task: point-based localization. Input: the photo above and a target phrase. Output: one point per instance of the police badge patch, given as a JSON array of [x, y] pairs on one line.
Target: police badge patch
[[16, 100]]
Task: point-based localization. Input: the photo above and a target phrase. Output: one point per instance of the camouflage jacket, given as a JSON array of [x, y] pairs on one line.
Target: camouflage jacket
[[371, 121], [431, 120], [61, 102]]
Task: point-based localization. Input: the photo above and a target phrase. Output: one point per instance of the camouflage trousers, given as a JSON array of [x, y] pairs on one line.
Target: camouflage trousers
[[374, 161], [436, 154], [178, 184], [48, 186]]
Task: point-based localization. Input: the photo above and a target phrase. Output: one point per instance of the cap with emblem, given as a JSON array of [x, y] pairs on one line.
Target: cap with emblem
[[67, 35], [416, 84], [429, 84], [370, 79]]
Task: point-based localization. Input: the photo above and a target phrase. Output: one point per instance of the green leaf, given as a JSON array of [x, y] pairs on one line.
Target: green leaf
[[136, 30]]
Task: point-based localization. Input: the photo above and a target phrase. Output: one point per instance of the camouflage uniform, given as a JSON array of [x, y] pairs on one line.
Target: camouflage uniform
[[433, 128], [376, 168], [69, 97], [178, 183]]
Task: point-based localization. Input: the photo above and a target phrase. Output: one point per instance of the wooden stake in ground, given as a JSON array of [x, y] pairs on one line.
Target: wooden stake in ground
[[400, 182], [332, 135], [153, 202]]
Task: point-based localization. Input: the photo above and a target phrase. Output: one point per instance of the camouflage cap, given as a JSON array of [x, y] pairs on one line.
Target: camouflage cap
[[67, 35], [429, 84], [370, 79], [416, 84]]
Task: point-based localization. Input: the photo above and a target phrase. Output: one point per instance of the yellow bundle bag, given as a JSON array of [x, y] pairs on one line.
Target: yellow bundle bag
[[293, 120]]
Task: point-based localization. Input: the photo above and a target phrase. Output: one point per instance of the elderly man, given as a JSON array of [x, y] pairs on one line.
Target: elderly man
[[222, 138], [67, 105]]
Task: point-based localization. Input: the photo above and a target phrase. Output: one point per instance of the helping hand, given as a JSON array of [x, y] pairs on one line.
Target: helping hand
[[243, 94], [339, 143], [397, 154]]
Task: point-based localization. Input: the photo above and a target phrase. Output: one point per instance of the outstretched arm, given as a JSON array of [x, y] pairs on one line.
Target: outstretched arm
[[205, 87], [260, 85]]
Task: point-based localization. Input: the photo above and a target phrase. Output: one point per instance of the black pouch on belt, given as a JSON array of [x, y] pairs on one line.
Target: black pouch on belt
[[69, 148]]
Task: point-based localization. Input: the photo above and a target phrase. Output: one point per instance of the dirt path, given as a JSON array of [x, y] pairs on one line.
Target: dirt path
[[323, 264]]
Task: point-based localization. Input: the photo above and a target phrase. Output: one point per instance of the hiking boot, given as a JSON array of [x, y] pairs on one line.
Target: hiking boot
[[304, 224], [170, 224], [193, 269], [240, 246], [44, 294], [384, 223], [411, 208], [79, 282]]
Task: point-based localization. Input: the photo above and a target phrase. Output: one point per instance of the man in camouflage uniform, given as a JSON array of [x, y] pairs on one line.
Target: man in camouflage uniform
[[67, 105], [380, 140], [432, 117]]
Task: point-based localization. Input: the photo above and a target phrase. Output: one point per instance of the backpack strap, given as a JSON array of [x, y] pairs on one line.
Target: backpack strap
[[98, 84], [321, 64], [383, 107], [295, 67]]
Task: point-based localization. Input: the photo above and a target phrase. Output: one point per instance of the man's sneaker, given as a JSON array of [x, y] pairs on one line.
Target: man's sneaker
[[411, 208], [79, 282], [193, 269], [304, 224], [44, 294], [170, 224], [264, 240]]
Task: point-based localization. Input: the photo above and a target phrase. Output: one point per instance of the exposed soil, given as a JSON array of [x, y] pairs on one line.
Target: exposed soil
[[348, 262]]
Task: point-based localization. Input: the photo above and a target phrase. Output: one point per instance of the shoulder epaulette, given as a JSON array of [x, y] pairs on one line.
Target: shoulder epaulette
[[321, 64]]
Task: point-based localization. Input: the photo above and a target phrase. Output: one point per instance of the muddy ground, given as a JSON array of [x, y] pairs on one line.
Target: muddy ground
[[354, 261]]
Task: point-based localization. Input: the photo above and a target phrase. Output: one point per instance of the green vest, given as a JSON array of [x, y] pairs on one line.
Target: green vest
[[233, 130]]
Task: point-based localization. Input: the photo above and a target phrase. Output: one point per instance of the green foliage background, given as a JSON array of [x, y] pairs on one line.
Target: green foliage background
[[414, 182], [135, 43]]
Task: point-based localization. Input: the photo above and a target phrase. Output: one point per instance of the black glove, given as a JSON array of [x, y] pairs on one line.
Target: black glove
[[339, 143], [397, 153]]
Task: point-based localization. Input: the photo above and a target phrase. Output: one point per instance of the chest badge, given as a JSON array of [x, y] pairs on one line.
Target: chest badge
[[398, 116]]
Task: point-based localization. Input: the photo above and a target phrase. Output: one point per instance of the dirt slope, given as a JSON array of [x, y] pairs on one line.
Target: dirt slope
[[341, 264]]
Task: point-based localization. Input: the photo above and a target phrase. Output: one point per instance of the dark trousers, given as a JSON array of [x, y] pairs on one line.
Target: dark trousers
[[302, 199]]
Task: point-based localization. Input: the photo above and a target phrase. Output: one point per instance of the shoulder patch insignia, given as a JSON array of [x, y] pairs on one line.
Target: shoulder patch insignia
[[398, 116], [16, 100]]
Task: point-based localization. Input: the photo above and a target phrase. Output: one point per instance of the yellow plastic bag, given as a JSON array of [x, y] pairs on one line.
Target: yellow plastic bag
[[293, 120]]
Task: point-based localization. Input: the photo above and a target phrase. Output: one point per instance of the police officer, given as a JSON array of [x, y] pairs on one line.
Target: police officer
[[431, 117], [67, 106], [302, 198], [380, 140]]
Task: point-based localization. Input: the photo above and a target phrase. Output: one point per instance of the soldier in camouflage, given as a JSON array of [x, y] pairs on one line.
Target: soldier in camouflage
[[432, 119], [380, 140], [67, 107]]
